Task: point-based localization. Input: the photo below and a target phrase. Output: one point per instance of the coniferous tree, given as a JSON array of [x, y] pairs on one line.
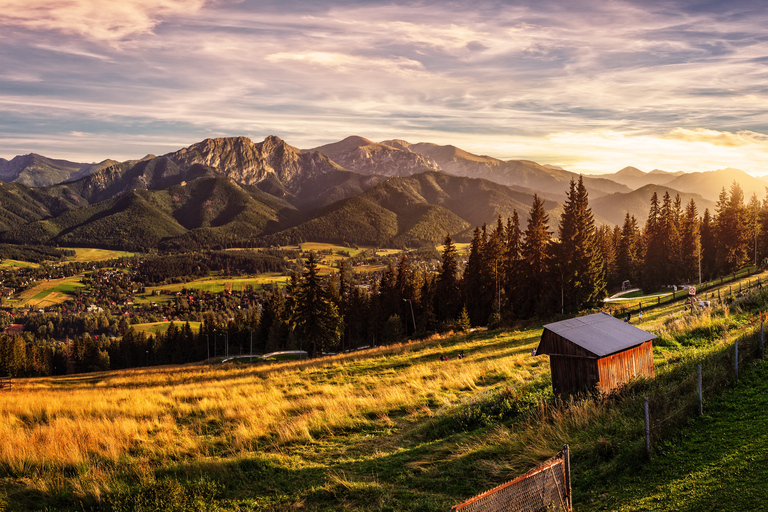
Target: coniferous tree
[[578, 253], [752, 220], [493, 272], [535, 287], [513, 265], [690, 243], [730, 229], [315, 318], [627, 263], [473, 278], [448, 300], [708, 246], [655, 261], [762, 231]]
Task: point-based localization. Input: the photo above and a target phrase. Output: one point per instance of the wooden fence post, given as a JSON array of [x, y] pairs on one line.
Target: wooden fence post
[[647, 431], [567, 462], [701, 398]]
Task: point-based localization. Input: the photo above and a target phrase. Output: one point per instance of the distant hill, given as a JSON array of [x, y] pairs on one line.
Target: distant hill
[[39, 171], [709, 184], [520, 173], [634, 178], [206, 211], [415, 209], [614, 207]]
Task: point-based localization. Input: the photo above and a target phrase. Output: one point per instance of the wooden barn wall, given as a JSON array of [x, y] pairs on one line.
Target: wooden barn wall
[[617, 369], [551, 343], [573, 373]]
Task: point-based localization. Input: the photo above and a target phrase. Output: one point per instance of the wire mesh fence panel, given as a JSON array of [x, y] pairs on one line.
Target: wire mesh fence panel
[[545, 488]]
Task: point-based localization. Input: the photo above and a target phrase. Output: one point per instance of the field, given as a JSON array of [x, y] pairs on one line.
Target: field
[[719, 462], [310, 429], [391, 428], [48, 293], [85, 254], [155, 327], [7, 264], [217, 284]]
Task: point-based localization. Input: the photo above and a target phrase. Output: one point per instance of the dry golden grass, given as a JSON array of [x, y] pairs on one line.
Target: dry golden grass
[[97, 426]]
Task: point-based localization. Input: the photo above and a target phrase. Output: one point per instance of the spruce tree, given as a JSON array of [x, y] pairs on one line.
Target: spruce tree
[[690, 243], [655, 261], [730, 230], [473, 278], [513, 265], [535, 285], [708, 246], [578, 254], [448, 300], [627, 264], [315, 318]]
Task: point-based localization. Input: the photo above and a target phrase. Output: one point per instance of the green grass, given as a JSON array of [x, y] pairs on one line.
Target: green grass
[[6, 263], [717, 462], [155, 327], [218, 284], [86, 254]]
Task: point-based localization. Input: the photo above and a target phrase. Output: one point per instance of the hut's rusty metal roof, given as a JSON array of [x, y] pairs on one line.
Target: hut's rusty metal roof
[[600, 333]]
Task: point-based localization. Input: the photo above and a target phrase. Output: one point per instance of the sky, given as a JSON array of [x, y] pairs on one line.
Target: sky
[[592, 86]]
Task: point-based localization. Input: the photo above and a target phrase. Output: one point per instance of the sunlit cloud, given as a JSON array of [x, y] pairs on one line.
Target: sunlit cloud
[[93, 19]]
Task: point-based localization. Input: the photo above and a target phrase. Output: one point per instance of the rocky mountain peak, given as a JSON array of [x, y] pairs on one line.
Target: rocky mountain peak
[[251, 163], [360, 155]]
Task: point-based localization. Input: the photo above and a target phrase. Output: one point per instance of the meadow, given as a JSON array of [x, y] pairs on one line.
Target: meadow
[[48, 293], [390, 428], [88, 254]]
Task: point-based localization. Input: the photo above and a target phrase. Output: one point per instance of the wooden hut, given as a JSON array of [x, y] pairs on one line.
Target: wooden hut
[[595, 352]]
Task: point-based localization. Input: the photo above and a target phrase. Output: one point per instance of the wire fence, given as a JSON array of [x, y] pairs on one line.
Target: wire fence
[[544, 488], [738, 285], [674, 406]]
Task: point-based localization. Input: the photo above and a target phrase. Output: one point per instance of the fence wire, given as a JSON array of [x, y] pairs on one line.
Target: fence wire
[[677, 405], [545, 488]]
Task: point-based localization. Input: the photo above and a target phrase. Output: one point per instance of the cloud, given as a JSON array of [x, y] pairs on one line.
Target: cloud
[[720, 138], [346, 63], [94, 19]]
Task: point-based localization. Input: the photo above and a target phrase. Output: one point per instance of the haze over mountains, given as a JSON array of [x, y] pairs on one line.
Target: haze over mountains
[[233, 191]]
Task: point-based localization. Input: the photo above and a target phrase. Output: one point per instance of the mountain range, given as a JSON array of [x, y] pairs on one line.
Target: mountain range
[[233, 191]]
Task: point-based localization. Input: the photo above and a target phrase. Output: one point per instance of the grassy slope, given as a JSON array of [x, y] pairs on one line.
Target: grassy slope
[[718, 462], [389, 429]]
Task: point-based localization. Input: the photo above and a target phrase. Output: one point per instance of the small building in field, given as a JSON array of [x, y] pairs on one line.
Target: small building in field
[[595, 352]]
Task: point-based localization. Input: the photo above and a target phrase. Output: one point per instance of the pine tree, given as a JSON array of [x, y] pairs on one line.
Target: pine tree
[[752, 220], [448, 298], [578, 254], [730, 230], [315, 318], [627, 264], [535, 286], [473, 278], [708, 246], [690, 243], [513, 265], [655, 261]]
